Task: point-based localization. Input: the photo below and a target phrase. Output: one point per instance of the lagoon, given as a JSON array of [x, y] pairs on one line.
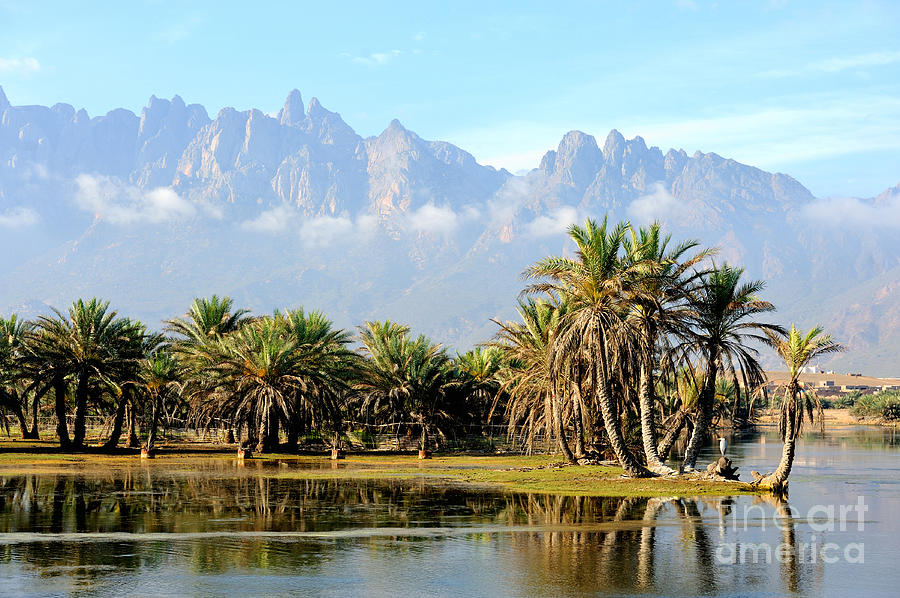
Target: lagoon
[[218, 528]]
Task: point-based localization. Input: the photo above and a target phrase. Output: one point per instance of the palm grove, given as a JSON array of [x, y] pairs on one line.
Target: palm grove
[[619, 350]]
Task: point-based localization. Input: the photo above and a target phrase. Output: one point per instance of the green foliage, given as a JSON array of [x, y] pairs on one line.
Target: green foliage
[[880, 404]]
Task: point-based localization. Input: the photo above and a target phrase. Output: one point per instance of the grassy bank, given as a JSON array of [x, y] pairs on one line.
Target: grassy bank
[[534, 474]]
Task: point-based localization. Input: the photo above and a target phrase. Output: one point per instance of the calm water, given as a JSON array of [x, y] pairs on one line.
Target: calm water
[[240, 532]]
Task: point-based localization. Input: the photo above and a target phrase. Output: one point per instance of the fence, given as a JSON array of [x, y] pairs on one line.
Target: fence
[[402, 436]]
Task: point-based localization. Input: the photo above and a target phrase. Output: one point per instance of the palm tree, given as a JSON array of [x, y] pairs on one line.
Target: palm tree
[[528, 378], [687, 392], [12, 391], [723, 311], [797, 350], [329, 370], [659, 311], [479, 370], [206, 322], [141, 343], [595, 338], [88, 345], [160, 381], [252, 375], [405, 376]]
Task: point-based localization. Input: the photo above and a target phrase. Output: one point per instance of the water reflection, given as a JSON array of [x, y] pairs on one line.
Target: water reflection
[[164, 531]]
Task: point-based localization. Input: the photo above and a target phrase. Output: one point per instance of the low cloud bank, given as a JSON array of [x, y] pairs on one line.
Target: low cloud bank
[[556, 223], [318, 231], [659, 204], [844, 211], [18, 217], [118, 203]]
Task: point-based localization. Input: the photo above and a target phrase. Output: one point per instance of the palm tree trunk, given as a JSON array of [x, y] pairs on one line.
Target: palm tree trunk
[[648, 420], [264, 440], [578, 422], [16, 407], [736, 416], [293, 434], [701, 426], [668, 441], [154, 422], [62, 429], [35, 404], [778, 479], [81, 392], [561, 431], [132, 441], [116, 433], [613, 428]]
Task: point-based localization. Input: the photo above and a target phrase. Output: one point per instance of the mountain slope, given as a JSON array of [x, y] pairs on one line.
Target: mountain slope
[[152, 210]]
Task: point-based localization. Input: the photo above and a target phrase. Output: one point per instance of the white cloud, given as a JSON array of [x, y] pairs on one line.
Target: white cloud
[[19, 65], [686, 4], [18, 217], [322, 231], [275, 220], [433, 219], [507, 201], [850, 211], [118, 203], [318, 231], [470, 213], [556, 223], [822, 127], [373, 59], [656, 205], [835, 65], [420, 36]]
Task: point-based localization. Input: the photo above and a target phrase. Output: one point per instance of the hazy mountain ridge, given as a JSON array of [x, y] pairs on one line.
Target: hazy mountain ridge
[[150, 210]]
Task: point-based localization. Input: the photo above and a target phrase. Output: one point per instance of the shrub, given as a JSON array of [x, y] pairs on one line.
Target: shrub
[[881, 404]]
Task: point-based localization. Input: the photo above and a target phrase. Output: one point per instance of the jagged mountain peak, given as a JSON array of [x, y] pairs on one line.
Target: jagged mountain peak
[[293, 113], [613, 141], [432, 197]]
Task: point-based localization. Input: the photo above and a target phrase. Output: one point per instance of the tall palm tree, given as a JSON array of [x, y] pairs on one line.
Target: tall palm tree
[[252, 375], [797, 349], [197, 333], [724, 311], [160, 381], [47, 372], [687, 391], [480, 383], [595, 337], [659, 312], [141, 343], [528, 378], [406, 376], [330, 368], [207, 320], [12, 391], [89, 345]]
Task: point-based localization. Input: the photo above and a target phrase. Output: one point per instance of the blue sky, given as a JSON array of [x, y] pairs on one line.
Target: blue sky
[[807, 88]]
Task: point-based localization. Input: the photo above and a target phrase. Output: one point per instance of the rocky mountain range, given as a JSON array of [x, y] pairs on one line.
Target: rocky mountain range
[[296, 208]]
